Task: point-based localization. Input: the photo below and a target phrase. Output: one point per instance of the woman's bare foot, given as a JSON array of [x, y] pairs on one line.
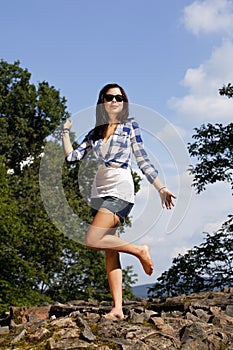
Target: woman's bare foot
[[114, 313], [145, 259]]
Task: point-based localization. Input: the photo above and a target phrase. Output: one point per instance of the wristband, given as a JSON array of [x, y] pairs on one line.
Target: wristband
[[161, 188]]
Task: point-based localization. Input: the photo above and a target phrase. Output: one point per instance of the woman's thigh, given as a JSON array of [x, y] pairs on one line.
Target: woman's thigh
[[105, 219], [104, 222]]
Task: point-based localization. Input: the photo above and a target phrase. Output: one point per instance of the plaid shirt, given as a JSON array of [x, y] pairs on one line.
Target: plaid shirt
[[125, 141]]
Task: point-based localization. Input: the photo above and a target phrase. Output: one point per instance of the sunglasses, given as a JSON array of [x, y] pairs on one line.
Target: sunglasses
[[109, 98]]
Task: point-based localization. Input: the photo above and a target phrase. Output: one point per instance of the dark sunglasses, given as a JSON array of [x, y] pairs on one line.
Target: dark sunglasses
[[109, 97]]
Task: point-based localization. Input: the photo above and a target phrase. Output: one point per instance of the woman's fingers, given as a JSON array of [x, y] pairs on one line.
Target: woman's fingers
[[67, 124], [166, 197]]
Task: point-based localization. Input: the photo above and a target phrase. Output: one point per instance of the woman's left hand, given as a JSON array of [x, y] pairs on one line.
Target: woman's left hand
[[166, 198]]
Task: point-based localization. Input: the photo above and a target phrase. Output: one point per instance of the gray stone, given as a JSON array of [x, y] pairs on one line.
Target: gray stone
[[4, 330], [229, 310], [199, 321], [66, 344], [19, 337], [138, 345], [135, 317], [86, 333], [63, 322], [39, 334], [193, 332], [203, 315], [149, 313]]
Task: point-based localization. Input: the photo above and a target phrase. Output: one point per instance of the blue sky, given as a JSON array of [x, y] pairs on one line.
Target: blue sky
[[171, 56], [78, 46]]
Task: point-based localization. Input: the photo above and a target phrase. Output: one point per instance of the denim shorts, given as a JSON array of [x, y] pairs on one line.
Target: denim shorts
[[116, 205]]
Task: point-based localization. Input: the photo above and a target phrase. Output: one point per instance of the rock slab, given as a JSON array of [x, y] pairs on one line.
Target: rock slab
[[201, 321]]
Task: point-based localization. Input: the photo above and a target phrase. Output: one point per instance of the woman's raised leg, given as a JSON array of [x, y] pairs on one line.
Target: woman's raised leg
[[101, 235]]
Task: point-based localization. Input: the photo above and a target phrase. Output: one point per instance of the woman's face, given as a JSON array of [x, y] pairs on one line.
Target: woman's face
[[113, 107]]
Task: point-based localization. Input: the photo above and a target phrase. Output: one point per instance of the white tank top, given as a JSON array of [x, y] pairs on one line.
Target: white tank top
[[113, 181]]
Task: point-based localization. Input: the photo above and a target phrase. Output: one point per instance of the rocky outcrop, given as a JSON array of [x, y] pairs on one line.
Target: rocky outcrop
[[188, 322]]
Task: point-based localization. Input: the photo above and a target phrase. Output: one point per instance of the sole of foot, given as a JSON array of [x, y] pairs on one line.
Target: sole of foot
[[146, 261]]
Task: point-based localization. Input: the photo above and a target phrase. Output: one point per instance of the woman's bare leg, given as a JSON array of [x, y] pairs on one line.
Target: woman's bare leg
[[114, 273], [101, 235]]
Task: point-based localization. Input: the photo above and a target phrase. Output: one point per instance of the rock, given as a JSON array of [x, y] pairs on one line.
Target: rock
[[4, 330], [67, 344], [19, 337], [135, 317], [24, 314], [199, 321], [162, 327], [63, 323], [222, 319], [202, 315], [86, 332], [229, 310], [39, 334], [138, 345], [195, 332], [149, 313], [61, 310], [215, 310]]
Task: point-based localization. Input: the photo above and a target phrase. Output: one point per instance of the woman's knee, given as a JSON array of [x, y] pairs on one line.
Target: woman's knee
[[94, 236], [90, 241]]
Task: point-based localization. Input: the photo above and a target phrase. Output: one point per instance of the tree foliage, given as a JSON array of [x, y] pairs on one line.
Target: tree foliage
[[203, 268], [213, 150], [28, 114], [227, 90], [38, 262]]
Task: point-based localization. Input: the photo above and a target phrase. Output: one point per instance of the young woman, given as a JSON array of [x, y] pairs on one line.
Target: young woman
[[114, 138]]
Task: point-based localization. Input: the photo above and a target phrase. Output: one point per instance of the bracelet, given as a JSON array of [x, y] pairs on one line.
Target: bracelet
[[65, 131], [161, 188]]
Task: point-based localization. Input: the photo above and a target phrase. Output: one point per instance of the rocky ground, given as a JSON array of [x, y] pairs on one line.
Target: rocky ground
[[188, 322]]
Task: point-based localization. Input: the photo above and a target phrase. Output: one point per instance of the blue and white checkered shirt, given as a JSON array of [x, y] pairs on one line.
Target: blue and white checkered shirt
[[125, 141]]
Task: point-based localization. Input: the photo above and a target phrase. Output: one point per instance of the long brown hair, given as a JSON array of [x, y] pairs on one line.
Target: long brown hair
[[102, 119]]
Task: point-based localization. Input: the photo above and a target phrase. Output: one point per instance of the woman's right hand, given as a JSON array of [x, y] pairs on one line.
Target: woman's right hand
[[166, 198], [67, 124]]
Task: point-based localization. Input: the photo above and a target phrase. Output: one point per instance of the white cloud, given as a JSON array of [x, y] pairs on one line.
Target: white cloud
[[209, 16], [203, 102], [213, 226], [171, 131]]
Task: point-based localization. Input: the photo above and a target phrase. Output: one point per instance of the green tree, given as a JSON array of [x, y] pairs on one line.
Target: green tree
[[28, 114], [17, 274], [43, 245], [227, 90], [129, 279], [213, 150], [202, 268]]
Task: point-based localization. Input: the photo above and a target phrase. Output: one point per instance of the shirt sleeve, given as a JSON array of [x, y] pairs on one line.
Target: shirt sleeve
[[79, 153], [141, 155]]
